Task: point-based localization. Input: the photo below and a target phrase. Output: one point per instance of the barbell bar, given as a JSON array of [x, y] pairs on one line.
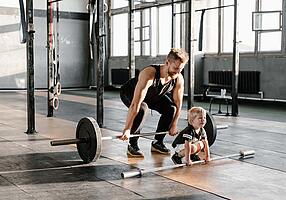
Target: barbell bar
[[140, 172], [85, 140], [89, 138]]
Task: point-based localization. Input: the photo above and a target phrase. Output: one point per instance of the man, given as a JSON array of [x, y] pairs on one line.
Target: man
[[149, 90]]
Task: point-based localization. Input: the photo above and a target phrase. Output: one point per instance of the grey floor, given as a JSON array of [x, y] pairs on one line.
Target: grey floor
[[31, 169]]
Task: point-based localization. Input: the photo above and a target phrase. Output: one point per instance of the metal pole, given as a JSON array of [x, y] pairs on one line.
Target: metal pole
[[191, 65], [220, 29], [57, 78], [131, 55], [283, 43], [235, 64], [30, 68], [100, 61], [173, 25], [107, 39], [50, 107], [257, 35], [156, 5]]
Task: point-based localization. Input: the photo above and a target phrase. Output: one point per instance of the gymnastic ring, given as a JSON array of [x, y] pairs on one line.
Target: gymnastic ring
[[58, 88], [56, 103]]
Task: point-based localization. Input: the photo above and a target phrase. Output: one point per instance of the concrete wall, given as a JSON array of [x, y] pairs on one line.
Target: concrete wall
[[12, 53], [141, 62], [74, 49], [272, 68]]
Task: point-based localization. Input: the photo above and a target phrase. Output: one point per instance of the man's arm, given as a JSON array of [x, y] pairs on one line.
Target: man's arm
[[145, 80], [178, 93]]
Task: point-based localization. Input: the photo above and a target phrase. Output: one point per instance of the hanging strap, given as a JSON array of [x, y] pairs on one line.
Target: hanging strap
[[23, 27], [201, 31], [92, 20]]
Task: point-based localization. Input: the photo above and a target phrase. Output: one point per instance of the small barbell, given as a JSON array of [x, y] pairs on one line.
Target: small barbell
[[89, 138], [140, 172]]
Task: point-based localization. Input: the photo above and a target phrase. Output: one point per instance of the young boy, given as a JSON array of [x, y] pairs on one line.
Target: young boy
[[192, 139]]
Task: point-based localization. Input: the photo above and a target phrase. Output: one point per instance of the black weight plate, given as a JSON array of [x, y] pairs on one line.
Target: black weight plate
[[210, 128], [88, 129]]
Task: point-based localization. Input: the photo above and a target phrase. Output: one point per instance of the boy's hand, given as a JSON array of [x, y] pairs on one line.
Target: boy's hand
[[188, 161], [207, 159]]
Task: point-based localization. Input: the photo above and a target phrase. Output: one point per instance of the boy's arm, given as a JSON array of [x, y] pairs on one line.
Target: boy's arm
[[206, 149], [188, 152]]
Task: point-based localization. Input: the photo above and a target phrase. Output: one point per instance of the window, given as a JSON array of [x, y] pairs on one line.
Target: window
[[119, 4], [270, 41], [142, 32], [165, 28], [210, 25], [245, 33], [267, 5], [119, 35], [227, 33]]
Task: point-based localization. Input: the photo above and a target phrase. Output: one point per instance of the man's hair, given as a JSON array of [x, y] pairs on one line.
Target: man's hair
[[194, 112], [178, 54]]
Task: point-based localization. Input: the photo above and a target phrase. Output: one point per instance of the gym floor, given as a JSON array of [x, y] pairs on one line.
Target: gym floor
[[32, 169]]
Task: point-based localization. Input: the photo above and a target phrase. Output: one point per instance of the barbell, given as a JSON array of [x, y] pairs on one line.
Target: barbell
[[89, 138], [140, 172]]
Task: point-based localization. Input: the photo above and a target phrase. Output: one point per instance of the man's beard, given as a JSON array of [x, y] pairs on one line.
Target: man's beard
[[173, 75]]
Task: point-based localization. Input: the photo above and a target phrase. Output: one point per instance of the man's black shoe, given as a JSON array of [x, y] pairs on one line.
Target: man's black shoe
[[159, 147], [134, 151], [195, 157], [176, 159]]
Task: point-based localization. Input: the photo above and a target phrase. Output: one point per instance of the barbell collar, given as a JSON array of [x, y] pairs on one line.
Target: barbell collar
[[247, 153]]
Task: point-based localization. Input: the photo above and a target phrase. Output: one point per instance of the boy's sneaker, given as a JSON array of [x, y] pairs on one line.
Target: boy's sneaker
[[176, 159], [134, 151], [195, 157], [159, 147]]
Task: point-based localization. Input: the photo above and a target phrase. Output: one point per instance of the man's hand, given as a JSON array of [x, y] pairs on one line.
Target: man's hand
[[126, 135], [173, 130]]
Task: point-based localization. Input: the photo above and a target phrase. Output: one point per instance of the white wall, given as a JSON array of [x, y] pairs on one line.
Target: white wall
[[66, 5], [9, 3]]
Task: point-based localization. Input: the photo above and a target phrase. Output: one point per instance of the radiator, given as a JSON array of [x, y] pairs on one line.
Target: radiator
[[120, 76], [248, 81]]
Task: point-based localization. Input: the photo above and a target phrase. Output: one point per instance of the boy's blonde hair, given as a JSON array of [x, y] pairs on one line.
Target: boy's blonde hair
[[194, 112]]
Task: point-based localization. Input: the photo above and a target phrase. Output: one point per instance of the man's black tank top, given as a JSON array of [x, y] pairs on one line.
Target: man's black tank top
[[155, 91]]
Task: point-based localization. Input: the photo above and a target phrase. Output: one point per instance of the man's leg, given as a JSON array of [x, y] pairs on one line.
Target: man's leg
[[133, 149], [138, 123], [167, 109]]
